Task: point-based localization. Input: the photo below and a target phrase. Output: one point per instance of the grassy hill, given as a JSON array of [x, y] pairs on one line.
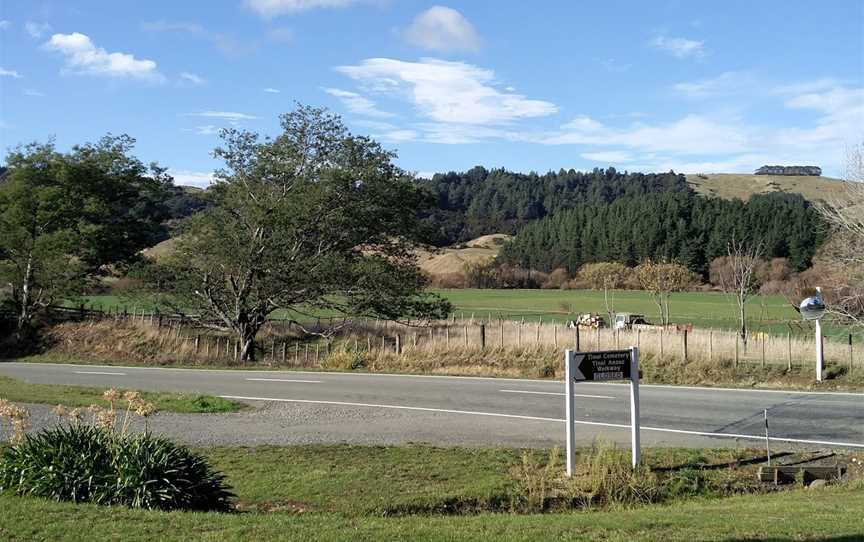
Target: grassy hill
[[742, 186], [435, 262], [453, 259]]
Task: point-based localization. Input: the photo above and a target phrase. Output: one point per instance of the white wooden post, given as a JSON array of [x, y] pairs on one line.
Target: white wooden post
[[634, 405], [570, 410]]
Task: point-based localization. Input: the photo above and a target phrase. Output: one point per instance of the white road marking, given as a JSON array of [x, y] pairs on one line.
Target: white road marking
[[499, 379], [98, 373], [579, 422], [557, 393], [283, 380]]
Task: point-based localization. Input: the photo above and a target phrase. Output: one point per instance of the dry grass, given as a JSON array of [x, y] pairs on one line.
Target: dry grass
[[742, 186]]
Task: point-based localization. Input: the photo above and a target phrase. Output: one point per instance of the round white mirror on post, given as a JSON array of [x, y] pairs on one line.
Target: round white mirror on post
[[813, 308]]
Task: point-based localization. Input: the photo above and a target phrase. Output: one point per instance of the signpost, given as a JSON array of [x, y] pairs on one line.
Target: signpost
[[599, 367], [813, 308]]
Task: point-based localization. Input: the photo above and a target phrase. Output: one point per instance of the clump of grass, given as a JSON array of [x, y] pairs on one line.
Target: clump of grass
[[345, 360], [537, 481], [605, 477]]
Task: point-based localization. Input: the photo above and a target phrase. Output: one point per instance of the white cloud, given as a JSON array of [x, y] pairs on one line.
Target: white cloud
[[225, 115], [387, 132], [37, 30], [447, 92], [272, 90], [726, 83], [679, 47], [356, 103], [424, 174], [226, 43], [614, 66], [442, 29], [692, 134], [4, 24], [608, 156], [192, 78], [34, 93], [183, 177], [207, 129], [9, 73], [83, 57], [273, 8]]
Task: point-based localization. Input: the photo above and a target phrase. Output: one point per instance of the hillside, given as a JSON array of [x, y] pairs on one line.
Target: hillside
[[433, 261], [453, 259], [742, 185]]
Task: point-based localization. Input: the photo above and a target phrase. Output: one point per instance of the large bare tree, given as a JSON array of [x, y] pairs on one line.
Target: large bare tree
[[737, 275], [843, 253]]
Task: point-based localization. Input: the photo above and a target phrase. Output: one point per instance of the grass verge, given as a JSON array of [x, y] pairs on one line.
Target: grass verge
[[344, 492], [78, 396]]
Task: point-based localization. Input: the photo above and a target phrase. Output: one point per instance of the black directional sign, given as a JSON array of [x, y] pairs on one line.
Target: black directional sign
[[598, 366]]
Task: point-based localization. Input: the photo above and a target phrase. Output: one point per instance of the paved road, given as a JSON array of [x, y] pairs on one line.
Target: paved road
[[316, 406]]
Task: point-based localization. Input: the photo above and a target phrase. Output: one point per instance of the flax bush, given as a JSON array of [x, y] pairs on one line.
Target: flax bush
[[84, 463]]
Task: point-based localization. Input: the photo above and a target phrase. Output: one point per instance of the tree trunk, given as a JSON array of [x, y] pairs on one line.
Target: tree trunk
[[246, 333], [24, 313], [743, 322]]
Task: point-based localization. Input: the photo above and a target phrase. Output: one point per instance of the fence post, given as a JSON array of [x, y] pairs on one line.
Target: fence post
[[763, 350], [482, 336], [447, 333], [555, 334], [711, 346], [398, 344], [684, 339], [789, 350], [284, 350], [598, 336], [197, 343], [638, 337], [578, 339], [502, 334], [466, 336], [736, 350], [661, 342], [851, 359]]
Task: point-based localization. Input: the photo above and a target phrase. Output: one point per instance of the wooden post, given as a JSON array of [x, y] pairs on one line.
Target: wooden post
[[684, 344], [519, 335], [789, 351], [502, 334], [207, 348], [236, 350], [555, 334], [483, 336], [398, 344], [598, 336], [763, 350], [578, 338], [306, 355], [638, 337], [736, 350], [711, 345], [197, 343], [466, 336], [661, 342], [447, 332], [284, 350], [851, 359], [272, 349], [537, 341]]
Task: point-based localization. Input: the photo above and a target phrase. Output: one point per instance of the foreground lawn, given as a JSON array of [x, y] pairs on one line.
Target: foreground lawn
[[77, 396], [831, 514], [370, 493]]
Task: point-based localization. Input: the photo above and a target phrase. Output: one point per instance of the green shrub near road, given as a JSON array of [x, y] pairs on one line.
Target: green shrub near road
[[82, 463]]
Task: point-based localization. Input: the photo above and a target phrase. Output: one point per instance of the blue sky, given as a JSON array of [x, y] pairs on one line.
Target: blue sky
[[643, 86]]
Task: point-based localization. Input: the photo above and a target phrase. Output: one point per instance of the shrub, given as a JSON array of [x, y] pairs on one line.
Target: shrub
[[82, 463], [64, 463], [347, 360], [155, 473]]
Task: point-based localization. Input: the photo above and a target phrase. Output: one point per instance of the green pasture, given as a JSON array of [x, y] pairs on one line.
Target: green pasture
[[766, 313]]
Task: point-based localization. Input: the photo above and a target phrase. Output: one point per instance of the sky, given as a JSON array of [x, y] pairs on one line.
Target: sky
[[694, 87]]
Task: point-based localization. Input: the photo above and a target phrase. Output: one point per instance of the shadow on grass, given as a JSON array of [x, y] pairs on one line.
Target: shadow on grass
[[729, 465]]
